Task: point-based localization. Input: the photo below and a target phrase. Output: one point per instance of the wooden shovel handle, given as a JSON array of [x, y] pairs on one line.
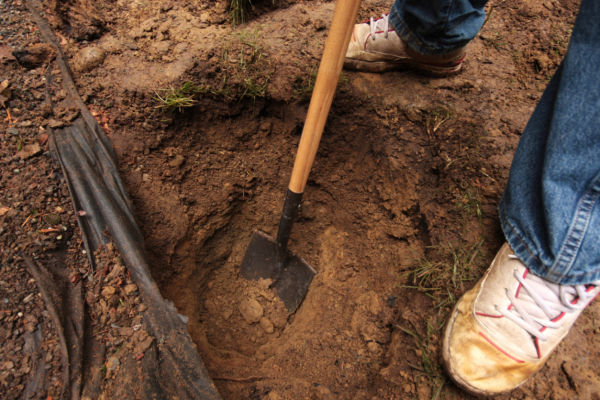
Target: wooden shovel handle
[[327, 80]]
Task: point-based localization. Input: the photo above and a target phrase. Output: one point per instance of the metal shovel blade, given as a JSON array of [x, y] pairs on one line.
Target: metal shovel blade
[[261, 261]]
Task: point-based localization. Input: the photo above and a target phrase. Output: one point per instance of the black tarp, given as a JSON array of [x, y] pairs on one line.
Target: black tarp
[[171, 368]]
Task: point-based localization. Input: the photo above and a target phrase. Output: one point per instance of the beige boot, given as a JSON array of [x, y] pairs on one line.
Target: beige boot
[[502, 331], [376, 47]]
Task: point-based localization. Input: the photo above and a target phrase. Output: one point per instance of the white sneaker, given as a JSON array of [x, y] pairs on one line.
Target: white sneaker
[[503, 330], [376, 47]]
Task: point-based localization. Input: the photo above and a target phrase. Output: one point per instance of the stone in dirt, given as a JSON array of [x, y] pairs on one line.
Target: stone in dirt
[[131, 289], [251, 310], [29, 298], [108, 292], [88, 59], [29, 150], [177, 161], [36, 55], [266, 325]]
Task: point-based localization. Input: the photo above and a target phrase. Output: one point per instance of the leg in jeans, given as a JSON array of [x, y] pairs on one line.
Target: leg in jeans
[[503, 330], [550, 211], [436, 27]]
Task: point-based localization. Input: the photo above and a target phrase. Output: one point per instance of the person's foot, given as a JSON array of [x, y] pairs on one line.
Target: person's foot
[[502, 331], [376, 47]]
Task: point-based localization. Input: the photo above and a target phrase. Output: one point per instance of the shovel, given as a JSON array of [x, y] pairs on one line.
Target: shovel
[[271, 259]]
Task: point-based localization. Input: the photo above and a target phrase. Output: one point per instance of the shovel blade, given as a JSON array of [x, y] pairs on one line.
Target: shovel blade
[[261, 261]]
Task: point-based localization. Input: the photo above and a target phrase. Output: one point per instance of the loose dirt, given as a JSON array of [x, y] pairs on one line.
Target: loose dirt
[[400, 213]]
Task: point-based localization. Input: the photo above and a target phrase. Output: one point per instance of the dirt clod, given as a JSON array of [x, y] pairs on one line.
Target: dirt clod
[[251, 310], [36, 55], [108, 292], [177, 161], [131, 290], [30, 150], [266, 325], [88, 59]]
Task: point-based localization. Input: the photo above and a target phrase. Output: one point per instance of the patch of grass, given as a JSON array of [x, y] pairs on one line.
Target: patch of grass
[[254, 89], [238, 11], [304, 86], [430, 367], [489, 16], [436, 116], [497, 42], [251, 41], [516, 56], [442, 277], [244, 66], [178, 99], [469, 202]]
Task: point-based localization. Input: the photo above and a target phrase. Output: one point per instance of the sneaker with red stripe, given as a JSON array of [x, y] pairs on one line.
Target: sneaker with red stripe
[[376, 47], [502, 331]]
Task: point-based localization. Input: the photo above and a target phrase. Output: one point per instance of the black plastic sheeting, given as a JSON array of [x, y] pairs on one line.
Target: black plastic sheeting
[[171, 368]]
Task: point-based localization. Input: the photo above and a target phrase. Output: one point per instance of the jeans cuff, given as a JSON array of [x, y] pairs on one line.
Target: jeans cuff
[[525, 250], [413, 41]]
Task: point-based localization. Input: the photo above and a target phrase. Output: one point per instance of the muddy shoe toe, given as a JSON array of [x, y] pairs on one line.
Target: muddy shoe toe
[[502, 331]]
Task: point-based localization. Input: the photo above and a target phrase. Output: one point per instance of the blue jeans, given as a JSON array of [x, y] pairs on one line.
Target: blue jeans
[[437, 26], [550, 210]]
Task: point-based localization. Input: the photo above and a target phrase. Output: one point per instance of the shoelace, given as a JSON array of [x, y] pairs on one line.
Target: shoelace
[[540, 301], [385, 27]]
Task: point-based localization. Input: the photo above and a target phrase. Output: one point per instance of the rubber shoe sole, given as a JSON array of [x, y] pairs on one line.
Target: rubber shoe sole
[[386, 66]]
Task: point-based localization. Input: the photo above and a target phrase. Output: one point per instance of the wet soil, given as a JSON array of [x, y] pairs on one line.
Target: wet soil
[[400, 212]]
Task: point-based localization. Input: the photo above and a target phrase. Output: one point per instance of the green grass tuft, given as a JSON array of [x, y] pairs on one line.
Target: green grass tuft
[[442, 277], [178, 99], [238, 11]]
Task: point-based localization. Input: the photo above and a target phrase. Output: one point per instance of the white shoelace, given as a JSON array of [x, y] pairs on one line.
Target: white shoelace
[[378, 23], [540, 301]]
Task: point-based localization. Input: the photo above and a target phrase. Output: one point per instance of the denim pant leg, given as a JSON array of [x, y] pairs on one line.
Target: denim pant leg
[[550, 210], [437, 26]]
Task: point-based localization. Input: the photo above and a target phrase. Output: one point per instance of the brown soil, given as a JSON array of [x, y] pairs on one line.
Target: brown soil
[[405, 187]]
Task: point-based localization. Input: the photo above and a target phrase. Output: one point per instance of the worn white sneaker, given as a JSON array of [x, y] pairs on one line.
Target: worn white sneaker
[[503, 330], [376, 47]]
